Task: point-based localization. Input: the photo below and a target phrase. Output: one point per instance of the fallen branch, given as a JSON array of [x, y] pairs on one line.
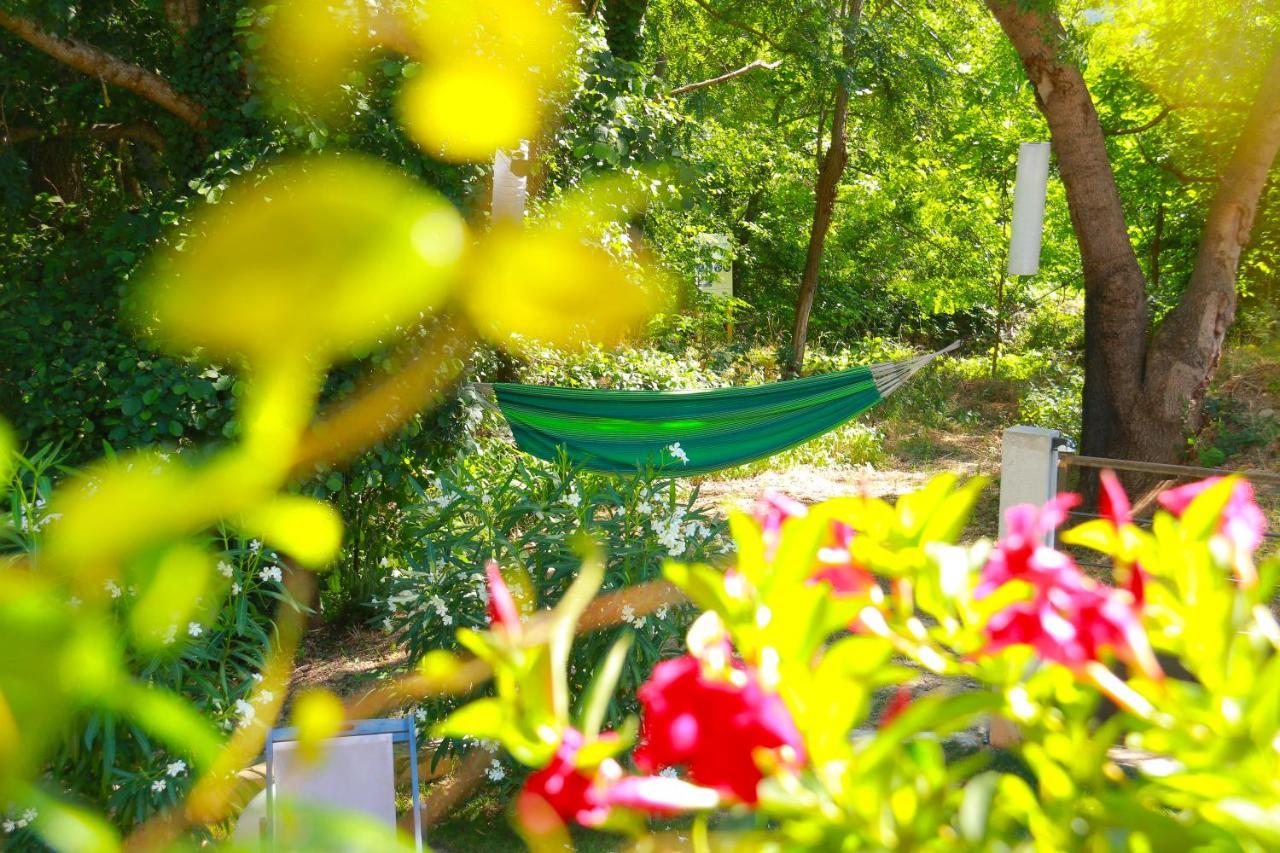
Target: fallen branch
[[96, 62], [738, 72]]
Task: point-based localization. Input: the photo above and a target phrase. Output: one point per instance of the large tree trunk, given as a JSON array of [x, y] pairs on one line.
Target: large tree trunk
[[1140, 399], [829, 174], [623, 23]]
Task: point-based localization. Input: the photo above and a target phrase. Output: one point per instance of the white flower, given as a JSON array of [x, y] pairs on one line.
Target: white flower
[[669, 772], [113, 588], [10, 826], [22, 823], [264, 697], [573, 499], [271, 573], [235, 589], [257, 678], [255, 545], [159, 785], [29, 815], [677, 452], [246, 712], [226, 568], [495, 771], [170, 635], [194, 629], [644, 508], [176, 768], [386, 624], [421, 714], [628, 613]]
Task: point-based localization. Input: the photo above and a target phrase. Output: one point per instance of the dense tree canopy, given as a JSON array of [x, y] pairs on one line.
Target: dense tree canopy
[[119, 117]]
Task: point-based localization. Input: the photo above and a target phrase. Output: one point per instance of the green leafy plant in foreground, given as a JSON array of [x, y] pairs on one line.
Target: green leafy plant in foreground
[[769, 711]]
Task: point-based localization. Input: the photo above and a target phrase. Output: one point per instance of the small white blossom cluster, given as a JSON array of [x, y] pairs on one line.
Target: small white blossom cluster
[[437, 604], [677, 452], [246, 711], [22, 821], [26, 523], [271, 573], [572, 498], [670, 531], [495, 771], [629, 616]]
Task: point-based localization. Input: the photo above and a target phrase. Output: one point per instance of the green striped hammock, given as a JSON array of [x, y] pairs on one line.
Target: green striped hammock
[[692, 432]]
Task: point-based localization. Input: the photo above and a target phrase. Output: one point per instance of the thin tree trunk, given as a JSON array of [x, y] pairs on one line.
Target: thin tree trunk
[[829, 174]]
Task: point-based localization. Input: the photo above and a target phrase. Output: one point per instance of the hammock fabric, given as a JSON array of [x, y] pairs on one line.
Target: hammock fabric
[[624, 431]]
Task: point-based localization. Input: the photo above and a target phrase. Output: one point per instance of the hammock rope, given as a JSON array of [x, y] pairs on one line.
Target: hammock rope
[[682, 433]]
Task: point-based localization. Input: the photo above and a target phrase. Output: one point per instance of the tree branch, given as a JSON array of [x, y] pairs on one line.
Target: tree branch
[[139, 131], [95, 62], [729, 75], [1147, 125], [739, 25]]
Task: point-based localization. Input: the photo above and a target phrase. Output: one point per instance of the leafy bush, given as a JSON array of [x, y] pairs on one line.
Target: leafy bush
[[527, 515]]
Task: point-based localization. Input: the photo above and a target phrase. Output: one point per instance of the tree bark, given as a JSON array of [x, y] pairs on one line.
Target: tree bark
[[623, 22], [829, 174], [95, 62], [182, 15], [1139, 400]]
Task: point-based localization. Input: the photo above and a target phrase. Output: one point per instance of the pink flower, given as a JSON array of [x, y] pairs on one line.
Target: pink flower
[[1021, 555], [1243, 522], [1073, 625], [503, 613], [1113, 505], [712, 725], [772, 509], [837, 567], [1070, 619], [660, 795]]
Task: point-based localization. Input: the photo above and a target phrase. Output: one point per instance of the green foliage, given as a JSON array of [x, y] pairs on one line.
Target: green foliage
[[526, 515], [213, 661]]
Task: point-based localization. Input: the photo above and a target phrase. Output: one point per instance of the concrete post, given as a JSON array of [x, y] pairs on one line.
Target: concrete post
[[1028, 468], [1028, 475]]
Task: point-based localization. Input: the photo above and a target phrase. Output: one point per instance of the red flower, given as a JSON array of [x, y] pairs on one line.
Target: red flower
[[900, 702], [503, 612], [571, 793], [1243, 522], [711, 725]]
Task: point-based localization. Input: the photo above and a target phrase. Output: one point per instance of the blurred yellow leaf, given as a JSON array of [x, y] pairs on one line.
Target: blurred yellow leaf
[[308, 530], [64, 826], [318, 716], [313, 46], [322, 255], [551, 286], [8, 446], [172, 588], [464, 112], [491, 64], [532, 36]]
